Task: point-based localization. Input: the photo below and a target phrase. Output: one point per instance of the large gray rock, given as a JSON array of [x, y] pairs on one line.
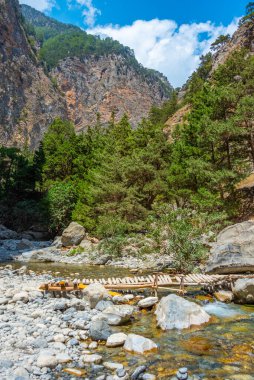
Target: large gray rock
[[99, 330], [244, 291], [5, 233], [73, 234], [123, 312], [233, 251], [138, 344], [95, 293], [174, 312]]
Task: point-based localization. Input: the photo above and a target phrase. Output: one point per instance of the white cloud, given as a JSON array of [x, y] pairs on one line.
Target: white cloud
[[40, 5], [162, 45], [89, 11]]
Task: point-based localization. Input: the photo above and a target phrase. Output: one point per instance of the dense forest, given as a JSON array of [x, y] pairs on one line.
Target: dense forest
[[118, 181]]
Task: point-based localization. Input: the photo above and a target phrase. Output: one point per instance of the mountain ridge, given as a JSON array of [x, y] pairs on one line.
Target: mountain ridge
[[33, 95]]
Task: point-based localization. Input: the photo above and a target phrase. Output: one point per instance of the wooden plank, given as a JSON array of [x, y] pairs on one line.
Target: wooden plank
[[178, 279], [196, 278], [169, 279], [151, 278], [193, 279]]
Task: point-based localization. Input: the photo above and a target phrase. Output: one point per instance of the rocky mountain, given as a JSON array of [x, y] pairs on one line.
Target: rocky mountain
[[242, 38], [39, 82], [29, 100], [100, 85]]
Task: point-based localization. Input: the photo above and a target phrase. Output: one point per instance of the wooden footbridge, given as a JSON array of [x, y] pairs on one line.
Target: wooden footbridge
[[154, 281]]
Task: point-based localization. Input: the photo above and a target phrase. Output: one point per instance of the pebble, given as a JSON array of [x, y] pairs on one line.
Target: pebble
[[92, 358], [113, 366]]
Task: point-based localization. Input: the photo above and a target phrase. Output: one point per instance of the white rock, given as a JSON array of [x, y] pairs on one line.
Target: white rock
[[93, 345], [63, 358], [92, 358], [112, 366], [59, 338], [116, 340], [46, 359], [148, 302], [148, 376], [22, 372], [21, 296], [139, 344], [176, 312]]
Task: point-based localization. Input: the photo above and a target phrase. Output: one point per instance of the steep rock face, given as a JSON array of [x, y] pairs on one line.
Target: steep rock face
[[105, 84], [242, 38], [28, 99]]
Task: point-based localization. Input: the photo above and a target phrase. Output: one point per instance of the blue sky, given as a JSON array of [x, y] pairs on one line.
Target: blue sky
[[166, 35]]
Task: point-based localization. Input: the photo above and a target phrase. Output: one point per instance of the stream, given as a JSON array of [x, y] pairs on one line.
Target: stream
[[222, 349]]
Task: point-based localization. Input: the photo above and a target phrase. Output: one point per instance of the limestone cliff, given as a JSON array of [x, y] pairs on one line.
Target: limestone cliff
[[29, 101], [104, 85], [78, 88]]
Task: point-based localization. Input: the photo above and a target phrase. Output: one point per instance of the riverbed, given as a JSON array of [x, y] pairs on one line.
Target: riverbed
[[221, 349]]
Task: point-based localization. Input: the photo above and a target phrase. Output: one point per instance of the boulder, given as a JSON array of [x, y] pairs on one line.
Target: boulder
[[116, 340], [5, 233], [73, 234], [123, 311], [244, 291], [99, 330], [148, 302], [102, 305], [224, 296], [233, 251], [176, 312], [138, 344], [87, 245], [21, 296], [95, 293]]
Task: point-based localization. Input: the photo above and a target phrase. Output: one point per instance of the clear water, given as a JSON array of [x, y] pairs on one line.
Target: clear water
[[221, 349]]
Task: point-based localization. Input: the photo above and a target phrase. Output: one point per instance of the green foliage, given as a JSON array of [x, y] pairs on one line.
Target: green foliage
[[249, 14], [113, 246], [161, 114], [76, 251], [59, 202], [120, 182], [197, 79], [220, 42]]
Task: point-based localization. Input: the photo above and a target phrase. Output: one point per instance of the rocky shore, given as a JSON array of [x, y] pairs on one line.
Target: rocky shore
[[48, 338], [76, 247], [232, 252]]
